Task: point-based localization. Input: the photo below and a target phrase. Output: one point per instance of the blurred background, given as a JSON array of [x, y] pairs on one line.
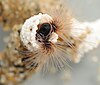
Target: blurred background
[[87, 71]]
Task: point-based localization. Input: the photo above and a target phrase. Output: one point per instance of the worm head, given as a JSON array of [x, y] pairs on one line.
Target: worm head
[[45, 38], [38, 31]]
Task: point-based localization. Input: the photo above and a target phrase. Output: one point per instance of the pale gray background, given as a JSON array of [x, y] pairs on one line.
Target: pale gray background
[[85, 72]]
